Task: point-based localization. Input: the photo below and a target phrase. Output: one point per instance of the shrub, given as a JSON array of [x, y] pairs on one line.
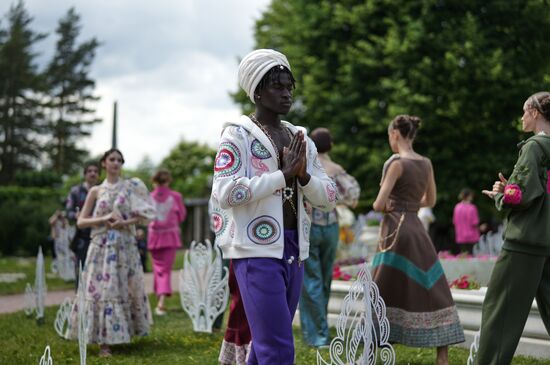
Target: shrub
[[24, 214]]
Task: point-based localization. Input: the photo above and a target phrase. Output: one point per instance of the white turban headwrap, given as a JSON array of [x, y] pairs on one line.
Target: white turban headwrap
[[255, 65]]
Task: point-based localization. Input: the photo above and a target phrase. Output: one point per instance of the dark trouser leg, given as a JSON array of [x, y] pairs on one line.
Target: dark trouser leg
[[543, 295], [311, 309], [513, 285], [328, 254], [81, 250]]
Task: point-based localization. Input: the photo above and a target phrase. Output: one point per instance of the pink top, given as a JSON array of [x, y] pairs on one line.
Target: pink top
[[164, 231], [466, 221]]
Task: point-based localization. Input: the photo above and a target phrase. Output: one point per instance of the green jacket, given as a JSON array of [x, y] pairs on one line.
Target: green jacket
[[528, 199]]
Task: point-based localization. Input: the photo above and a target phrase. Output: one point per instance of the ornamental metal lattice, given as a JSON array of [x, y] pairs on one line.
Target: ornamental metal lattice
[[62, 319], [204, 289], [473, 349], [362, 327], [81, 317], [63, 264], [35, 297], [30, 300], [40, 285], [46, 359]]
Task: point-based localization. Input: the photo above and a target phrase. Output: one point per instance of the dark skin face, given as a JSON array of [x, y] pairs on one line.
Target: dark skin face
[[271, 102]]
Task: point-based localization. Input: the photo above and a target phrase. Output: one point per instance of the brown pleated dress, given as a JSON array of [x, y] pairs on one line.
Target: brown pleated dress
[[420, 308]]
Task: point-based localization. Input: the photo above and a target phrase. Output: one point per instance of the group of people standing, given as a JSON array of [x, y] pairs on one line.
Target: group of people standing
[[273, 198], [273, 213], [116, 305]]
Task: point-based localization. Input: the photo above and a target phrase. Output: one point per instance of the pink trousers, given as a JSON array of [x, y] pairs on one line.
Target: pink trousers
[[163, 259]]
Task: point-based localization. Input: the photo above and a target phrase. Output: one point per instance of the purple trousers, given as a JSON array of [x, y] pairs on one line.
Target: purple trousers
[[270, 290]]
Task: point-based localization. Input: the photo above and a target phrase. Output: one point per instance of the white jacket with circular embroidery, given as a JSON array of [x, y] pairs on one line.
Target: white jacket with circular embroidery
[[246, 203]]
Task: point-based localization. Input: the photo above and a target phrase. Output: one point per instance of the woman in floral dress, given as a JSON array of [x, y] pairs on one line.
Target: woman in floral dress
[[117, 307]]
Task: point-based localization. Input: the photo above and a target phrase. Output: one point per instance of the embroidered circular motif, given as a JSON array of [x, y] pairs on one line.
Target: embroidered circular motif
[[228, 160], [264, 230], [259, 151], [240, 194], [305, 227], [219, 221]]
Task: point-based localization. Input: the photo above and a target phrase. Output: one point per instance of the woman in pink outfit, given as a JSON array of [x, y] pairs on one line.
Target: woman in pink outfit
[[466, 222], [164, 235]]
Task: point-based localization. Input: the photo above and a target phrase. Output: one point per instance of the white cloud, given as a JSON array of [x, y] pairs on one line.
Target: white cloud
[[170, 66]]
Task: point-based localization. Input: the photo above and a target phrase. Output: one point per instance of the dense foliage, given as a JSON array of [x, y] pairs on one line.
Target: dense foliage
[[69, 97], [24, 213], [191, 166], [465, 67], [44, 113]]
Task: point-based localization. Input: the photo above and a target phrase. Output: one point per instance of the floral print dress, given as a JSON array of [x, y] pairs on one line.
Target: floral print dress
[[117, 306]]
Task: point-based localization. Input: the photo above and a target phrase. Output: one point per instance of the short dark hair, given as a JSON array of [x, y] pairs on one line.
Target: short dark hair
[[407, 125], [322, 139], [273, 76], [108, 152], [465, 193], [88, 164], [162, 177]]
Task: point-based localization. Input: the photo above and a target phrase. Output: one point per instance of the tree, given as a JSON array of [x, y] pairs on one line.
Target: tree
[[465, 67], [21, 118], [190, 164], [70, 95]]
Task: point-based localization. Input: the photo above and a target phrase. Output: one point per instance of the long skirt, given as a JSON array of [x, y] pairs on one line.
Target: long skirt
[[420, 307], [116, 305]]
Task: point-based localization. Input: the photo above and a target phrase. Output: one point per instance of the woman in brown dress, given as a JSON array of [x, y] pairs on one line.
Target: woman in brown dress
[[412, 283]]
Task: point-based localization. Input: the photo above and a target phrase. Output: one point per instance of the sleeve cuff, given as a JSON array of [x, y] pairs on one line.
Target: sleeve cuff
[[498, 201], [279, 181]]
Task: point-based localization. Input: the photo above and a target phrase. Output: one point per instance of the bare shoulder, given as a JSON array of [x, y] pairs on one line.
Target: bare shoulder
[[93, 190]]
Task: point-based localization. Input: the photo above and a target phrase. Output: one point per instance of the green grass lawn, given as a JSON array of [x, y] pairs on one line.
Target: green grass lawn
[[171, 341], [27, 266]]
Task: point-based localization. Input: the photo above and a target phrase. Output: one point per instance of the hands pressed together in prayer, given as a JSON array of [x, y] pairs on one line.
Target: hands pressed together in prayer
[[114, 220], [294, 159], [498, 187]]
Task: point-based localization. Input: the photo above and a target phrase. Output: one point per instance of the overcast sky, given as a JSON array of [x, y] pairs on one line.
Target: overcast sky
[[170, 64]]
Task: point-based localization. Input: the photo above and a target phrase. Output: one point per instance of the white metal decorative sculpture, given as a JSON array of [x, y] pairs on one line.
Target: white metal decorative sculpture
[[30, 300], [82, 319], [63, 317], [46, 359], [35, 297], [473, 349], [204, 289], [362, 328], [490, 243], [63, 265], [40, 286]]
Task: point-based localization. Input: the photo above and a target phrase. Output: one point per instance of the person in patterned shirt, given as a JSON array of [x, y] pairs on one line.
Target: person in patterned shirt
[[75, 202]]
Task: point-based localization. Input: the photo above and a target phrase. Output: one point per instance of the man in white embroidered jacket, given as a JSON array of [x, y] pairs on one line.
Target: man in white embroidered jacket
[[264, 170]]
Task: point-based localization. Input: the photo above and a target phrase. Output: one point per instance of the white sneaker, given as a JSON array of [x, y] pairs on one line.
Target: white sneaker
[[159, 311]]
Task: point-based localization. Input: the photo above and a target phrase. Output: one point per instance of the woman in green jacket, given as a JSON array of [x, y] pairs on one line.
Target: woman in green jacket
[[522, 272]]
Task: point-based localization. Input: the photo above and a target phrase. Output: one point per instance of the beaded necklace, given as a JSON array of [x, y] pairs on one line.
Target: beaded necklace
[[288, 191]]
